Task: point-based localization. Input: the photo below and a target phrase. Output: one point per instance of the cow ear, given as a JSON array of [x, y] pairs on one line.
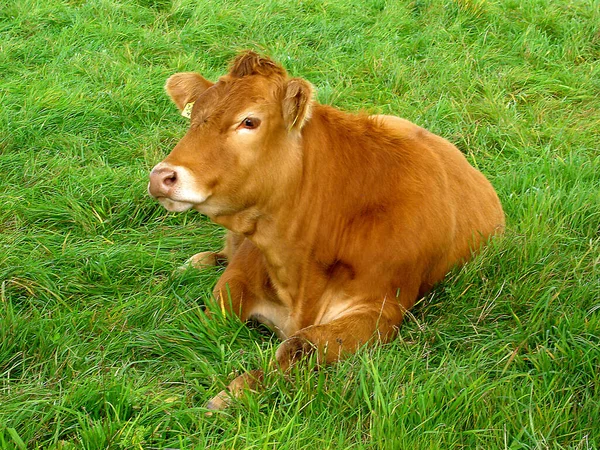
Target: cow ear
[[185, 87], [297, 103]]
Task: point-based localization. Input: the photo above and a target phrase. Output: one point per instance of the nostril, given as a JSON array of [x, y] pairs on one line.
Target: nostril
[[163, 180], [171, 179]]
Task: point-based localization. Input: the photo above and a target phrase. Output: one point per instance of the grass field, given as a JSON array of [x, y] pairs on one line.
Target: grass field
[[103, 344]]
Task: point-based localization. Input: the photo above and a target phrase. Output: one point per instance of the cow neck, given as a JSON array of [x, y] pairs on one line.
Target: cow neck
[[272, 227], [306, 220]]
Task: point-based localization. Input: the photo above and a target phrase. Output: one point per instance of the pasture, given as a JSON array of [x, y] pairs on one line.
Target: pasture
[[103, 343]]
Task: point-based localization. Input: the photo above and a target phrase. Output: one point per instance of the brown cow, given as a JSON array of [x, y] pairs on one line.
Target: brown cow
[[337, 222]]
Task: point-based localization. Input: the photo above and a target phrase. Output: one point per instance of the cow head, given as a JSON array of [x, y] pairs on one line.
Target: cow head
[[243, 140]]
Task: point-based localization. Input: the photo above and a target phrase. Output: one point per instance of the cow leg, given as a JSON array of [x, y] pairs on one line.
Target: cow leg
[[242, 285], [248, 381], [221, 258], [342, 336], [243, 282], [330, 341]]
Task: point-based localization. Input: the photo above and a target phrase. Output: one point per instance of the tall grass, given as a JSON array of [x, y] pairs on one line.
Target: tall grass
[[104, 345]]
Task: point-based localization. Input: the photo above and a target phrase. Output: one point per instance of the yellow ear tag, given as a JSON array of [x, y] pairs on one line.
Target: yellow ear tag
[[187, 110]]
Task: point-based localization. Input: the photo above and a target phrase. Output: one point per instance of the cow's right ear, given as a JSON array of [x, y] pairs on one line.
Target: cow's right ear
[[297, 103], [185, 87]]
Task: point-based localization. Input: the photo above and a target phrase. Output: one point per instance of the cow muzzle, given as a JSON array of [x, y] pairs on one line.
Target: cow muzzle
[[174, 187]]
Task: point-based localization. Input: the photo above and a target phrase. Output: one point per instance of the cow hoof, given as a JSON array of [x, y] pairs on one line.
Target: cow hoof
[[200, 261], [218, 403], [292, 350]]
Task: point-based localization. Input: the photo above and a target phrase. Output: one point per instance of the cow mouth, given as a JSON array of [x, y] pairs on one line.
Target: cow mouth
[[174, 205], [183, 201]]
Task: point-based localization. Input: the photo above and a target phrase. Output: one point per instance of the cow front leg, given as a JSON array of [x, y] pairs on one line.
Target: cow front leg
[[221, 258], [342, 336], [329, 341], [241, 288], [249, 381], [244, 282]]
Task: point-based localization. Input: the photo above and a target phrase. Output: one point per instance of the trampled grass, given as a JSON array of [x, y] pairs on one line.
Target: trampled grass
[[104, 345]]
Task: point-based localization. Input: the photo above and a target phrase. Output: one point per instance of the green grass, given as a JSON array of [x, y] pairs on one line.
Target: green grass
[[104, 345]]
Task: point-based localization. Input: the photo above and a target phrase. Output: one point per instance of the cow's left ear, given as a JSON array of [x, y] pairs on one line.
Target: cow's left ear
[[185, 87], [297, 103]]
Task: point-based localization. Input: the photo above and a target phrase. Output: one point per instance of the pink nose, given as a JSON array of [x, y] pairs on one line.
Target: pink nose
[[162, 181]]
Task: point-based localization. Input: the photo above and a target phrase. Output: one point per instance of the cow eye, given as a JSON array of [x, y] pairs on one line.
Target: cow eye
[[250, 123]]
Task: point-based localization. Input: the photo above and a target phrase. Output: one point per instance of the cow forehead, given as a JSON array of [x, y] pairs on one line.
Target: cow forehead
[[230, 96]]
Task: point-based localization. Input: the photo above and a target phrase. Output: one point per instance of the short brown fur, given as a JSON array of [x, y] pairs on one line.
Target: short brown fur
[[338, 222]]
